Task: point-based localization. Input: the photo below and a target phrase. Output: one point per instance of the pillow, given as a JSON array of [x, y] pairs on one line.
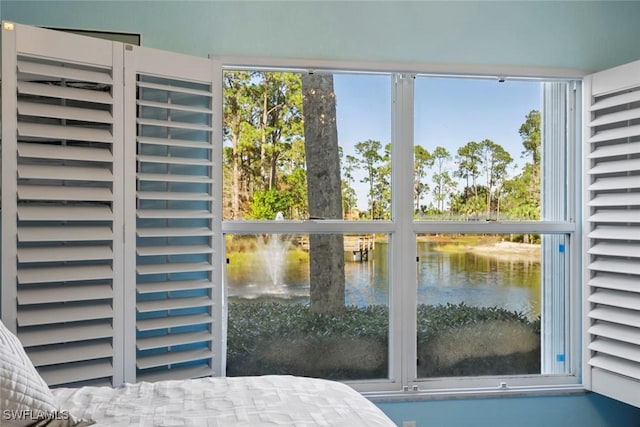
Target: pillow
[[25, 399]]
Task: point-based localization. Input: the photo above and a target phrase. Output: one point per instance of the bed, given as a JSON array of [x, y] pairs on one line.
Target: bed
[[271, 400]]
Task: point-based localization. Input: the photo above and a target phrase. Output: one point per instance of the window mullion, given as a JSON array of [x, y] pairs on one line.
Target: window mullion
[[403, 247]]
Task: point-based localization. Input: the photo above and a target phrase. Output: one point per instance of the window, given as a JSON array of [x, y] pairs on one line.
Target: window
[[454, 243]]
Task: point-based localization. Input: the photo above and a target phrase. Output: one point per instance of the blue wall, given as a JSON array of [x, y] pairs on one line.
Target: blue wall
[[587, 35]]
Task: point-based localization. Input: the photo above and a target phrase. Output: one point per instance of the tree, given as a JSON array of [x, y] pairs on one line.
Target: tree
[[370, 160], [237, 102], [469, 163], [531, 139], [349, 196], [495, 160], [422, 160], [441, 178], [326, 251]]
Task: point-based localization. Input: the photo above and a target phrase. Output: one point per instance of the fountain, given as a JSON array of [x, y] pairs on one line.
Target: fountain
[[273, 254]]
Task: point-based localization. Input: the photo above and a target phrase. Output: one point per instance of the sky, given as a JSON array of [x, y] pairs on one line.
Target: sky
[[448, 112]]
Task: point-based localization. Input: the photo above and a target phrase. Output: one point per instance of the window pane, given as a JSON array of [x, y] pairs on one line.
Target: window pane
[[478, 149], [293, 310], [480, 304], [294, 139]]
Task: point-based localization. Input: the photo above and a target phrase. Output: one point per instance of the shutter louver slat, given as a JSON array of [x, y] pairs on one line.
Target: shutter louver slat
[[76, 372], [177, 285], [68, 273], [615, 266], [51, 192], [615, 101], [174, 178], [176, 374], [64, 213], [617, 166], [617, 183], [63, 112], [67, 173], [174, 160], [62, 72], [615, 233], [174, 232], [615, 150], [173, 322], [28, 296], [620, 199], [171, 340], [65, 253], [182, 267], [618, 332], [166, 195], [620, 116], [618, 349], [614, 364], [51, 91], [631, 250], [615, 315], [70, 353], [172, 357], [613, 216], [613, 281], [75, 133], [175, 89], [64, 233], [176, 107], [47, 316], [614, 134], [173, 214], [174, 124], [63, 152], [616, 299], [149, 140], [172, 304], [173, 250], [57, 334]]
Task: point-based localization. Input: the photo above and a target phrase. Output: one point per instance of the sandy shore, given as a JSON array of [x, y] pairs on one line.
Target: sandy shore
[[508, 251]]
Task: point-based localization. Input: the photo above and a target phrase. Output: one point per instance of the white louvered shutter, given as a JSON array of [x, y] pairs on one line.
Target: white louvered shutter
[[612, 233], [173, 243], [62, 202]]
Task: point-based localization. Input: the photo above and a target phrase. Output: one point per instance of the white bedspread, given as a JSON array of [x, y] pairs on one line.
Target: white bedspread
[[273, 400]]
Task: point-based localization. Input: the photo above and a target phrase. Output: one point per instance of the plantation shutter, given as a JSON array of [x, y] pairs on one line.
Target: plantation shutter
[[111, 260], [62, 202], [173, 135], [612, 233]]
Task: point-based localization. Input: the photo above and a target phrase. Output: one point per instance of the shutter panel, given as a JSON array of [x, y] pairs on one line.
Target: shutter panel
[[612, 233], [62, 202], [175, 255]]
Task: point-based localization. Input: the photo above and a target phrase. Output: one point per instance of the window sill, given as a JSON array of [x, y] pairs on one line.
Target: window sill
[[406, 396]]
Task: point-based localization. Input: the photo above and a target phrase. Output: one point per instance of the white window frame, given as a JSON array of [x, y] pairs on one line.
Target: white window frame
[[402, 382]]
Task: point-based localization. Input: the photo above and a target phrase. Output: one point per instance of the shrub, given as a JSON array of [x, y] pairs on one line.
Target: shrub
[[453, 340]]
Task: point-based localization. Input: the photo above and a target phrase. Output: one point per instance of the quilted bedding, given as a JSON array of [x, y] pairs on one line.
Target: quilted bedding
[[273, 400]]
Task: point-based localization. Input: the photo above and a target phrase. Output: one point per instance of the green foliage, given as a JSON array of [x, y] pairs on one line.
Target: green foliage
[[267, 204], [255, 329]]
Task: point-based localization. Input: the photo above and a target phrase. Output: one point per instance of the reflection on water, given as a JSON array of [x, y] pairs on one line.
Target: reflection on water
[[443, 277]]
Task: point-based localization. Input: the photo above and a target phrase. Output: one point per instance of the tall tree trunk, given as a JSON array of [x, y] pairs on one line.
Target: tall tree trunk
[[326, 251]]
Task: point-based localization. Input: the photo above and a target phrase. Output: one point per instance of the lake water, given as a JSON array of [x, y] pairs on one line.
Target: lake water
[[444, 277]]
